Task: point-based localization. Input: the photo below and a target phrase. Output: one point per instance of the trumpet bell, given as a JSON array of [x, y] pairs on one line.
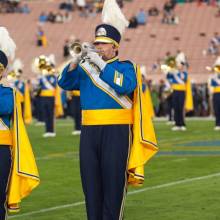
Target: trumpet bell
[[217, 69], [75, 49]]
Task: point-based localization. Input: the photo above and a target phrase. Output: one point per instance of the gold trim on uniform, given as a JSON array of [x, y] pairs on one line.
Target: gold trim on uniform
[[49, 93], [118, 78], [112, 60], [105, 40], [76, 93], [216, 89], [5, 137], [126, 176], [179, 87], [107, 117]]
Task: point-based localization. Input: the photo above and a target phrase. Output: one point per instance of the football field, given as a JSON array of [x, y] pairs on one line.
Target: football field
[[182, 182]]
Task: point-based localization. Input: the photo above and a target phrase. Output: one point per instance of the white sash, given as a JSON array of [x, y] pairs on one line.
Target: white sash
[[20, 84], [47, 84], [178, 79], [93, 73], [3, 126]]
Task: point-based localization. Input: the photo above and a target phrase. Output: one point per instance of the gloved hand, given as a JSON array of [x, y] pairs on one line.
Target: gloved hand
[[93, 57], [76, 58]]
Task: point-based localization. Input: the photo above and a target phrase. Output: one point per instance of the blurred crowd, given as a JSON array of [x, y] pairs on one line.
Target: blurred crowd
[[14, 6]]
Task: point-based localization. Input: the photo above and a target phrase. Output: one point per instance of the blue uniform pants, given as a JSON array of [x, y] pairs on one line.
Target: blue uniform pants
[[48, 104], [178, 106], [216, 105], [5, 167], [103, 164], [76, 111], [39, 109], [170, 107]]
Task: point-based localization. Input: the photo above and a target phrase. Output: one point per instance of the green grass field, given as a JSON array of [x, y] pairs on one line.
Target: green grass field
[[182, 182]]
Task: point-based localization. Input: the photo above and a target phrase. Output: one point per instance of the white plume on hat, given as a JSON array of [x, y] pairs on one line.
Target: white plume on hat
[[17, 65], [180, 58], [7, 45], [143, 71], [112, 15], [217, 62], [51, 59]]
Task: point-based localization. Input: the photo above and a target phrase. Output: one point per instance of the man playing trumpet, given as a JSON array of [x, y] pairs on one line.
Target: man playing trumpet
[[109, 90]]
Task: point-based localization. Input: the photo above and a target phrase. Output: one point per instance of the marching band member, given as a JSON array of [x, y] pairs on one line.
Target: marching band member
[[214, 85], [182, 94], [23, 90], [111, 101], [18, 171], [47, 87]]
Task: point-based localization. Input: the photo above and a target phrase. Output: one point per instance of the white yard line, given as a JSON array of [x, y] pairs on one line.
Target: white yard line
[[129, 193], [58, 155], [158, 119]]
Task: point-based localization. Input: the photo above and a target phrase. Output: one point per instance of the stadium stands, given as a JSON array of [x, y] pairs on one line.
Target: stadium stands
[[138, 45]]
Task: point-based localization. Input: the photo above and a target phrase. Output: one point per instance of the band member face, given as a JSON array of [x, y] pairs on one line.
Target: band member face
[[106, 50]]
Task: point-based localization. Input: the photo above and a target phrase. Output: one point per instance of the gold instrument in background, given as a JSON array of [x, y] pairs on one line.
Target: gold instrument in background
[[215, 69], [42, 62], [41, 65]]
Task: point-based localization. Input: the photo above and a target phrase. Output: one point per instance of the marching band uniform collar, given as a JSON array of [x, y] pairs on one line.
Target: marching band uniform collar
[[112, 60]]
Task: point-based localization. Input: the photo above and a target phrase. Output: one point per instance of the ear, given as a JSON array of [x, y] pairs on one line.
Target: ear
[[114, 47]]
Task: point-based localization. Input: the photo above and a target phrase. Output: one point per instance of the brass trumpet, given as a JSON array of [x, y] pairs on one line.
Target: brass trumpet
[[77, 49]]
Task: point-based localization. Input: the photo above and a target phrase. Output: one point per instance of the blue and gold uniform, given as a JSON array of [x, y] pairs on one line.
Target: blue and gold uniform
[[112, 108], [182, 92], [106, 102], [6, 112], [178, 84], [96, 92], [215, 88], [47, 84], [18, 176]]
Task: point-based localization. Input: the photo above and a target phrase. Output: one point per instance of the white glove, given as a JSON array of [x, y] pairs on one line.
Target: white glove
[[76, 58], [93, 57]]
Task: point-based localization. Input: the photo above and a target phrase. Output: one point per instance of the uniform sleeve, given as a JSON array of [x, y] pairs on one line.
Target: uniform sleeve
[[123, 82], [54, 81], [69, 80], [186, 76], [6, 103]]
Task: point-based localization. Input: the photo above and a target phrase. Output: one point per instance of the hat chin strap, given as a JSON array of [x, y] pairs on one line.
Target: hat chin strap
[[2, 69]]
